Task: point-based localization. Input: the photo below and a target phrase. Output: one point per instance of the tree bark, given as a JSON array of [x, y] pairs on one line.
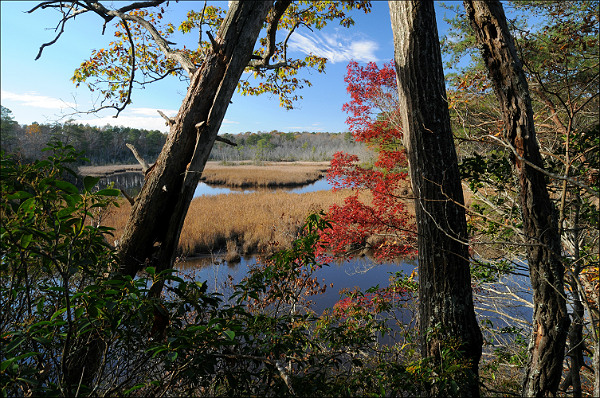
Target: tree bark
[[445, 293], [154, 225], [550, 318], [153, 229]]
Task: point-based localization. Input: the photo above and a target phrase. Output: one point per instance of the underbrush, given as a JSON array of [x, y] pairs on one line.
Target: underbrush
[[72, 326]]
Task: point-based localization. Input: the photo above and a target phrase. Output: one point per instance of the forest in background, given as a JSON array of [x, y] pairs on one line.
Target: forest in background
[[107, 145]]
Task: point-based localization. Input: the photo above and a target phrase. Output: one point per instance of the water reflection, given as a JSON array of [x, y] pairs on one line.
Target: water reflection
[[131, 182], [361, 273], [504, 303], [205, 189]]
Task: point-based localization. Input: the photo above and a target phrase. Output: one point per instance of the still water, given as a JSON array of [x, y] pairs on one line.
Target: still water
[[511, 295], [131, 183], [360, 272]]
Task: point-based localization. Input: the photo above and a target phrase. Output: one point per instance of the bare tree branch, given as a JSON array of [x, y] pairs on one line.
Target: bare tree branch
[[61, 24], [141, 4], [278, 11], [139, 157], [546, 172], [225, 140], [169, 121]]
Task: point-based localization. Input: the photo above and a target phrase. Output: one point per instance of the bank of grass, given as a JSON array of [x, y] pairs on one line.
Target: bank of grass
[[266, 175], [240, 224], [239, 174]]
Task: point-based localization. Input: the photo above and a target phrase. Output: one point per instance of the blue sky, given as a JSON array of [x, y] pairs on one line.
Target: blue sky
[[42, 91]]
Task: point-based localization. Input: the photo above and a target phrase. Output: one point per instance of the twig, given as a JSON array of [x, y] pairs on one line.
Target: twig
[[546, 172], [139, 157], [169, 121]]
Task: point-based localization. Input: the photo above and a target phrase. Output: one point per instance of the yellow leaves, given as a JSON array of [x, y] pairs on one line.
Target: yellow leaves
[[592, 274], [33, 128]]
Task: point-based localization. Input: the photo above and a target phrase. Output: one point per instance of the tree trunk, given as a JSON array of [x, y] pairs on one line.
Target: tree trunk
[[153, 229], [575, 334], [154, 225], [550, 318], [596, 367], [445, 294]]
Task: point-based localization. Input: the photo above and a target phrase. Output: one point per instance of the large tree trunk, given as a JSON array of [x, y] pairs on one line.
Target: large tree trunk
[[153, 229], [445, 294], [154, 226], [550, 318]]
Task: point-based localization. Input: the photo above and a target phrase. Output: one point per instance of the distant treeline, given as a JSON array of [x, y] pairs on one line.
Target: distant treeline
[[278, 146], [106, 145], [101, 145]]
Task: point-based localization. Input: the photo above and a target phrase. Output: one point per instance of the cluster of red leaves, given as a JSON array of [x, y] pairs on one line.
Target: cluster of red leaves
[[375, 302], [383, 225]]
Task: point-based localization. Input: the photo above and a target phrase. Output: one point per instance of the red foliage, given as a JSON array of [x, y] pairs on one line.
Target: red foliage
[[383, 225], [374, 302]]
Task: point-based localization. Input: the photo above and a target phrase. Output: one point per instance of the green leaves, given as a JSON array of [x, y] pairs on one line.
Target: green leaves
[[90, 182], [46, 252]]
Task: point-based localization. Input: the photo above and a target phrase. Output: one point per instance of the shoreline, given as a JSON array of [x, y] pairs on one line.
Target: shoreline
[[238, 175]]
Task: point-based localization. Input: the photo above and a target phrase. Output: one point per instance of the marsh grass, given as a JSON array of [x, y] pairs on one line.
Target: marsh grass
[[266, 175], [240, 224], [238, 174]]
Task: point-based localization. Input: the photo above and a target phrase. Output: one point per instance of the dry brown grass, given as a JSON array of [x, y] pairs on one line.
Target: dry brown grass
[[100, 171], [266, 175], [239, 175], [249, 223], [240, 223]]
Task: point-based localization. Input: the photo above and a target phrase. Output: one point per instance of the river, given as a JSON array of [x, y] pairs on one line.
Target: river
[[511, 295], [131, 183], [359, 272]]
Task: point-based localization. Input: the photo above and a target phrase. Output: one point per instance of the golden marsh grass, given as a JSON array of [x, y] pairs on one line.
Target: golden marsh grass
[[241, 223], [239, 175], [275, 174]]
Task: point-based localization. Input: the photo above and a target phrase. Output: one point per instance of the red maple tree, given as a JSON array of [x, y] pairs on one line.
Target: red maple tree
[[374, 217]]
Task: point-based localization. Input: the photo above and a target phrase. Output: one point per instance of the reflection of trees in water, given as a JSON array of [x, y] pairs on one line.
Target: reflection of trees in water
[[130, 181]]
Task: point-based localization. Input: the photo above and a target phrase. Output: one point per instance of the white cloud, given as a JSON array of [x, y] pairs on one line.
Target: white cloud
[[335, 47], [152, 112], [35, 100], [141, 118]]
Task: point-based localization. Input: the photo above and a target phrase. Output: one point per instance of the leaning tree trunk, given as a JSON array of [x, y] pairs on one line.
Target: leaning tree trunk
[[550, 318], [445, 294], [153, 229], [154, 225]]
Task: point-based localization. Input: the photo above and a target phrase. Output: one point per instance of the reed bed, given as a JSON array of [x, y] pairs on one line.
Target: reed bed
[[238, 174], [240, 224], [102, 171], [267, 175]]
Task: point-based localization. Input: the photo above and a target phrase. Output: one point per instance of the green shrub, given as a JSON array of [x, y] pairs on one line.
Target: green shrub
[[71, 325]]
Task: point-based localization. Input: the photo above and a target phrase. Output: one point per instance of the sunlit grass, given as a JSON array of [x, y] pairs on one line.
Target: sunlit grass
[[246, 223], [265, 175]]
